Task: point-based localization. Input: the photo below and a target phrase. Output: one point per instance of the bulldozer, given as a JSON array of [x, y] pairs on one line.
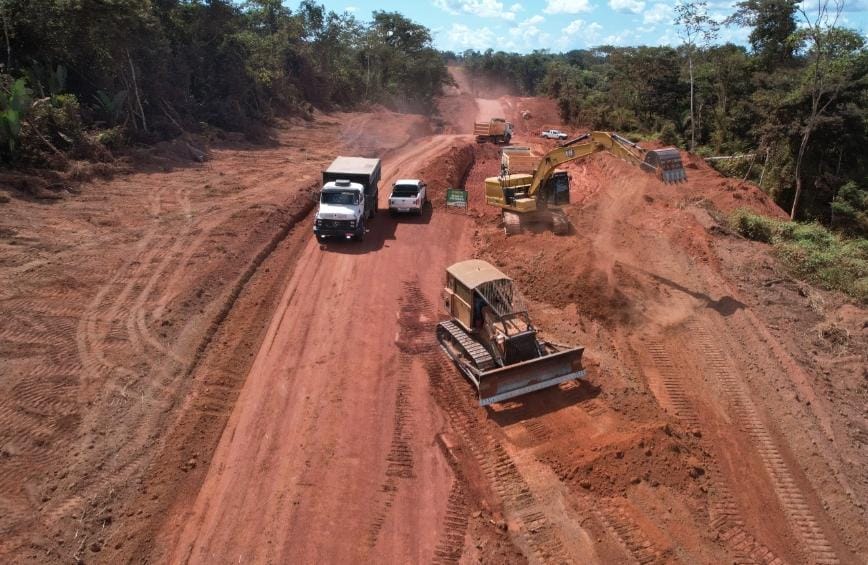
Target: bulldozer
[[491, 338], [527, 198]]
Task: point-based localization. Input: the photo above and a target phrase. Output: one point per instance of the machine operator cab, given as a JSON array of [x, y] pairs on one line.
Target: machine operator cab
[[485, 302]]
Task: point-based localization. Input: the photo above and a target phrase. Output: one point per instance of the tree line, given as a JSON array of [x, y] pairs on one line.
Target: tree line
[[795, 101], [144, 70]]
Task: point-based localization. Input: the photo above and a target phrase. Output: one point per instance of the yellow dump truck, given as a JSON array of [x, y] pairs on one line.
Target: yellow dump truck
[[496, 130]]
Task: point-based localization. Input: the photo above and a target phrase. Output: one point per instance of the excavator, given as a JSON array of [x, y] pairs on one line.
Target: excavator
[[492, 340], [526, 199]]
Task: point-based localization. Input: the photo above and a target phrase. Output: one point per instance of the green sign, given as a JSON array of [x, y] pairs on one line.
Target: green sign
[[456, 197]]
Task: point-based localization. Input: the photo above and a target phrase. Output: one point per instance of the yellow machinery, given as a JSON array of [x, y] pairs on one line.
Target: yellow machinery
[[526, 198], [492, 339]]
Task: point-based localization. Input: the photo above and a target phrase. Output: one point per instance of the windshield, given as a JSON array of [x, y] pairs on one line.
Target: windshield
[[346, 197], [405, 191]]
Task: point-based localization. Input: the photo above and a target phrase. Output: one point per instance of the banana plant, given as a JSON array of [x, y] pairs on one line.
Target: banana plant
[[111, 107]]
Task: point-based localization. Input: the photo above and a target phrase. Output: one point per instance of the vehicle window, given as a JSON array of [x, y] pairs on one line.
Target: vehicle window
[[346, 197], [405, 191]]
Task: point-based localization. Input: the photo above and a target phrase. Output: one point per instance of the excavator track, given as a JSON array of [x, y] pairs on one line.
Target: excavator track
[[449, 330], [511, 223]]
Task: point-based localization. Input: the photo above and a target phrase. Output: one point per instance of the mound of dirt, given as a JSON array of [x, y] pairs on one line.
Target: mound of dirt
[[447, 172], [658, 456], [532, 115]]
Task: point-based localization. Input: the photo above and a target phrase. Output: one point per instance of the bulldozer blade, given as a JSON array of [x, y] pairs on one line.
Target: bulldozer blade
[[667, 163], [508, 382]]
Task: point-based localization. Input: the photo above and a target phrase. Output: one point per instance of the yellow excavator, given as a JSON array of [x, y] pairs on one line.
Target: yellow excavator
[[530, 199]]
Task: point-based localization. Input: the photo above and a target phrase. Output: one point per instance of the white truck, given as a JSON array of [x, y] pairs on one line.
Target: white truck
[[554, 134], [348, 199], [408, 195]]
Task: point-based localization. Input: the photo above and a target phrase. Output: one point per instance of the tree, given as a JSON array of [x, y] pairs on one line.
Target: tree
[[772, 23], [831, 54], [697, 28]]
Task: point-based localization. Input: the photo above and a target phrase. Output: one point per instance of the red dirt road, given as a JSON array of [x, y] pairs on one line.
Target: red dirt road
[[328, 454]]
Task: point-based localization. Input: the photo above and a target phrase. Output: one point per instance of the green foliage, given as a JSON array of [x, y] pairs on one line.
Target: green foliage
[[850, 209], [812, 252], [773, 22], [226, 63], [110, 108], [15, 103]]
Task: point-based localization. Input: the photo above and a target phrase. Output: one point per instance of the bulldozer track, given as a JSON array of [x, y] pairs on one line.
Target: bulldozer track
[[399, 460], [727, 522], [450, 546], [793, 502], [682, 406], [481, 357], [453, 394], [725, 517], [610, 513]]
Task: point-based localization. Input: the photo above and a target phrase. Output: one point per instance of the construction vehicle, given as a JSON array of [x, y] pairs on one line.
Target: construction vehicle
[[527, 199], [496, 130], [492, 340], [348, 199]]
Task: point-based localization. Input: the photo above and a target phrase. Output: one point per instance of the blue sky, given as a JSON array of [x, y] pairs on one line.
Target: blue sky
[[558, 25]]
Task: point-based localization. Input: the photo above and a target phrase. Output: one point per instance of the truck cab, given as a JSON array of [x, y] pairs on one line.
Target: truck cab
[[341, 210], [348, 199]]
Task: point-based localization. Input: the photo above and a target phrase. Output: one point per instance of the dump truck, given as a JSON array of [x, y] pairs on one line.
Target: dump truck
[[348, 198], [492, 340], [527, 199], [496, 130]]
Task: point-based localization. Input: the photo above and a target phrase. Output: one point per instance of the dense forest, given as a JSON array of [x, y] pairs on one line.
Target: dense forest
[[81, 77], [145, 70], [794, 102]]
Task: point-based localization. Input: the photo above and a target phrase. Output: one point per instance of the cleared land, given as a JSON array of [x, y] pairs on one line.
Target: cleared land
[[187, 376]]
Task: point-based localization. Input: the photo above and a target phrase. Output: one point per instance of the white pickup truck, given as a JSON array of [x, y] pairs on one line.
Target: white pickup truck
[[553, 134], [408, 195]]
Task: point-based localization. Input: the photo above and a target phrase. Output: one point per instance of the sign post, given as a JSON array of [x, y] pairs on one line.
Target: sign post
[[456, 198]]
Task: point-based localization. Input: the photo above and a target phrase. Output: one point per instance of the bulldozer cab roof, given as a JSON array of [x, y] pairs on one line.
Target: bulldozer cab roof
[[475, 272]]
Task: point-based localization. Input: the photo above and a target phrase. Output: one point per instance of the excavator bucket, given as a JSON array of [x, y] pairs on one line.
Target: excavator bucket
[[667, 163], [503, 383]]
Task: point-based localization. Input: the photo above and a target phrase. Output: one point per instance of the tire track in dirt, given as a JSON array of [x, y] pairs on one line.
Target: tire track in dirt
[[795, 506]]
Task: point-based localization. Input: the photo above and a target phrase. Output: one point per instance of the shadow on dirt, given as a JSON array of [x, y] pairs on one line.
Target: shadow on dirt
[[380, 231], [725, 306], [540, 403]]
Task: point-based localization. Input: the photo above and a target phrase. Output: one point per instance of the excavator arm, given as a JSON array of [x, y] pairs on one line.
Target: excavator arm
[[584, 146]]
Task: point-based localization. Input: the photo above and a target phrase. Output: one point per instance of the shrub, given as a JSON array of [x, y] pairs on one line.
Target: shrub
[[811, 252]]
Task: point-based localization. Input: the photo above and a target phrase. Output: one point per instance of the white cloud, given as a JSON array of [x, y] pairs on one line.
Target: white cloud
[[573, 27], [586, 34], [567, 6], [658, 13], [480, 8], [628, 6], [461, 37], [351, 9]]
